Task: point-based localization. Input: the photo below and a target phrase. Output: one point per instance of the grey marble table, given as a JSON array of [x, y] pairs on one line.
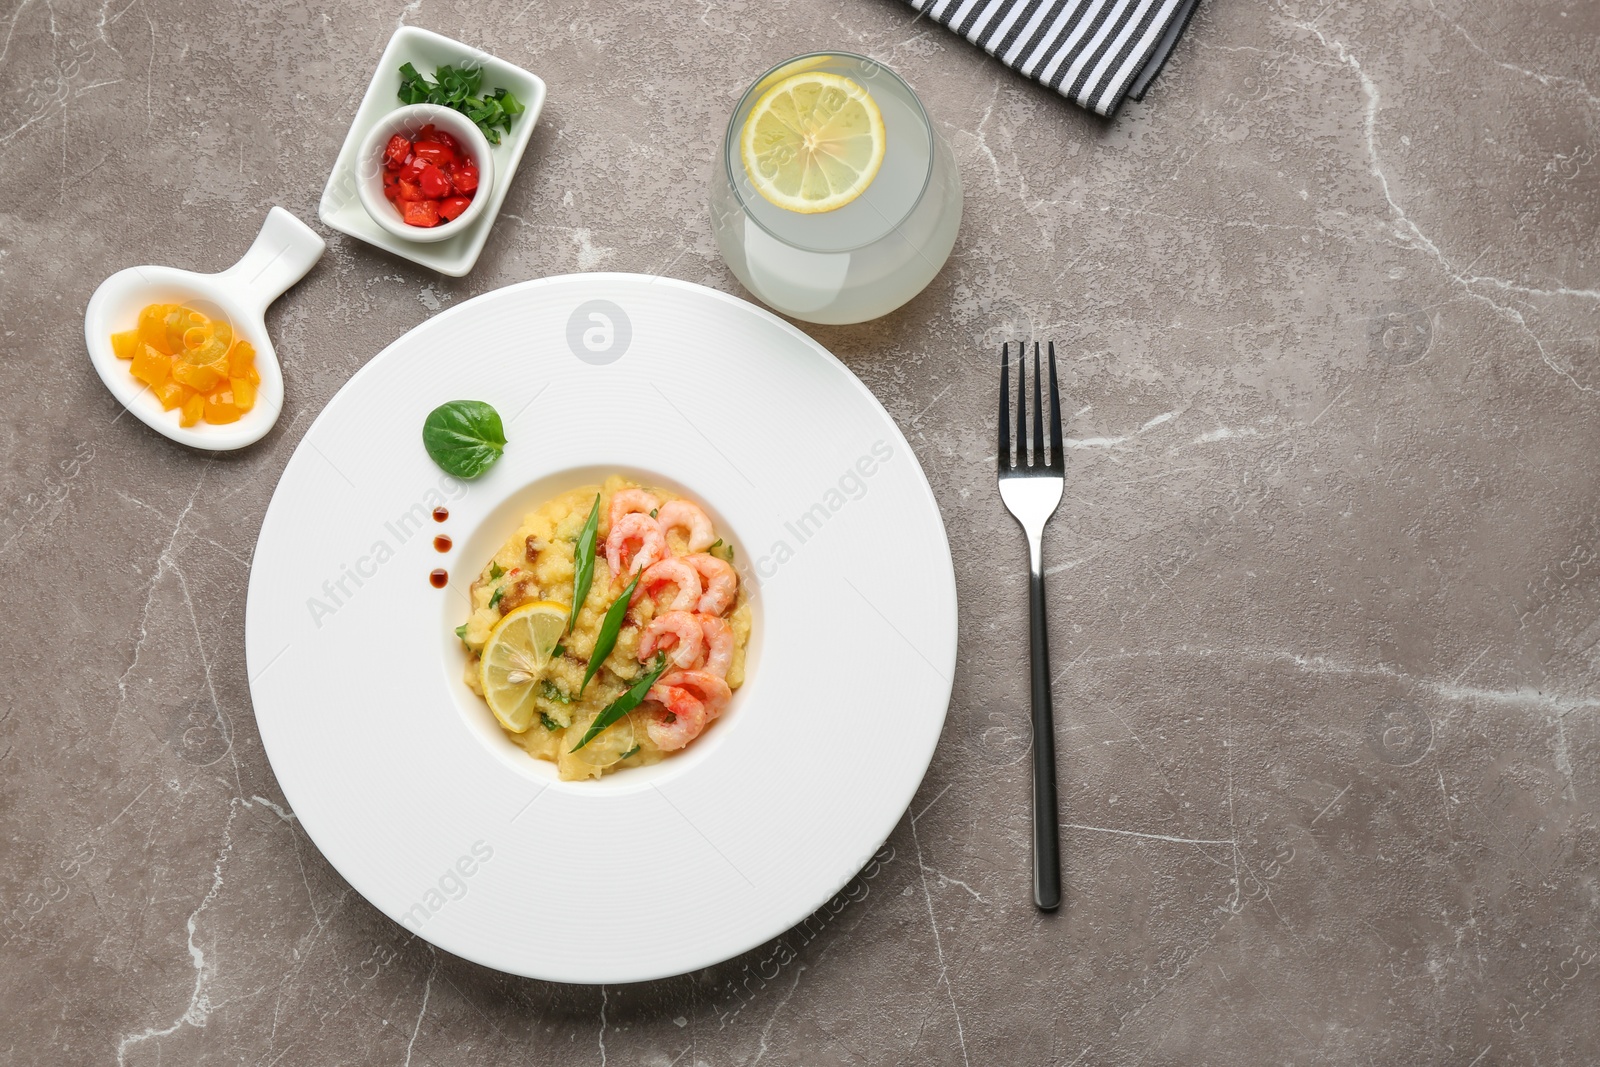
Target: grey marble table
[[1325, 605]]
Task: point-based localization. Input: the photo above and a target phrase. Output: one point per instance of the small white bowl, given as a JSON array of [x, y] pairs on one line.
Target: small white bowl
[[280, 256], [407, 121]]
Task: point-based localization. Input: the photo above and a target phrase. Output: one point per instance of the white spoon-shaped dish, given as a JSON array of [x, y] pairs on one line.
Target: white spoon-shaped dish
[[282, 253]]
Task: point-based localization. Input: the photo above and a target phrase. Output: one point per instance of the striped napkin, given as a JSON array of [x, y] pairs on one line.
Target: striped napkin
[[1093, 52]]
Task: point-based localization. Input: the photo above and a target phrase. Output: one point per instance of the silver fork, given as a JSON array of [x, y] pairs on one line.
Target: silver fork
[[1032, 492]]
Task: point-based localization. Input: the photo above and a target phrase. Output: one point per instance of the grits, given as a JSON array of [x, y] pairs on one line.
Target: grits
[[536, 564]]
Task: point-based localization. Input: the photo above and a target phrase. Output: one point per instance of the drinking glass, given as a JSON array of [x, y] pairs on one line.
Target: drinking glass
[[864, 259]]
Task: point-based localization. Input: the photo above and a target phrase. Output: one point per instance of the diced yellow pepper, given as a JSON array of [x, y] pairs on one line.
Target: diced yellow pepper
[[171, 394], [153, 327], [180, 320], [192, 409], [207, 344], [151, 367], [192, 362], [241, 358], [220, 408], [126, 344], [203, 377]]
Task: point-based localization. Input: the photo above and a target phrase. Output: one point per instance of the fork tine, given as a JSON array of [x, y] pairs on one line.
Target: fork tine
[[1022, 405], [1005, 407], [1038, 411], [1057, 459]]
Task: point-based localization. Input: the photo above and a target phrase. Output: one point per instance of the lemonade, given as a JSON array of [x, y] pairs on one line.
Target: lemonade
[[884, 203]]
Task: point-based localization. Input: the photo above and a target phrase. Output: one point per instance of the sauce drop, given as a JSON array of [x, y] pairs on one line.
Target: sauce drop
[[442, 542], [439, 578], [441, 513]]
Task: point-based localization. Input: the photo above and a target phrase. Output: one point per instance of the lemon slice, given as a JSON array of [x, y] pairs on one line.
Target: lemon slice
[[813, 142], [515, 659]]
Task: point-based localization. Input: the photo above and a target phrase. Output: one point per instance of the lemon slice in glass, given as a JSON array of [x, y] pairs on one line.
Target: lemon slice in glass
[[813, 142], [515, 659]]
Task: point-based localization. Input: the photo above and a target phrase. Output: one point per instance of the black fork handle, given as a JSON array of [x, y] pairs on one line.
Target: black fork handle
[[1046, 827]]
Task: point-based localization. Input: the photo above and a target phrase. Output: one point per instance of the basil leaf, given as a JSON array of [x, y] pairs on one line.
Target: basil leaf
[[552, 692], [464, 437], [610, 626], [495, 597], [495, 571], [624, 703], [583, 562], [549, 723], [461, 631]]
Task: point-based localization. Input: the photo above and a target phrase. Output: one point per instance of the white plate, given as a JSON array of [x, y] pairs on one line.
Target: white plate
[[397, 771], [341, 203]]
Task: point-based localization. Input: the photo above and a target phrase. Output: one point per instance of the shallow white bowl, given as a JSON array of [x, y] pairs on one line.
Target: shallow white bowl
[[281, 254], [396, 769], [407, 121]]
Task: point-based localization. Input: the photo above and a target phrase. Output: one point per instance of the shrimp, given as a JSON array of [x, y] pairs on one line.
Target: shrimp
[[682, 515], [721, 582], [630, 528], [672, 571], [678, 633], [693, 699], [682, 718], [719, 645], [630, 501]]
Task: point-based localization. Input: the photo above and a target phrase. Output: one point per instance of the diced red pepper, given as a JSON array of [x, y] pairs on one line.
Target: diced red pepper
[[420, 213], [434, 184], [394, 156], [428, 178], [434, 152]]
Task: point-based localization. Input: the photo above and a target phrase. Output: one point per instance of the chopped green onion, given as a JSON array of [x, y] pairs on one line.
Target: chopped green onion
[[624, 703], [457, 88], [610, 626], [583, 562]]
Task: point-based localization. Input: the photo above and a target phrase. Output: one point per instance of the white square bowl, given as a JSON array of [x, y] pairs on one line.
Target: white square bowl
[[341, 205]]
